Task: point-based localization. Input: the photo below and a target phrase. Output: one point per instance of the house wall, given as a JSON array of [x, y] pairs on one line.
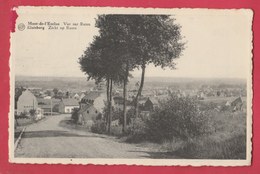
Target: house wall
[[61, 107], [26, 102], [88, 116], [69, 109], [99, 102]]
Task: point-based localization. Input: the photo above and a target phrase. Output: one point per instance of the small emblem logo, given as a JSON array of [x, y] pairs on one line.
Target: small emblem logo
[[21, 27]]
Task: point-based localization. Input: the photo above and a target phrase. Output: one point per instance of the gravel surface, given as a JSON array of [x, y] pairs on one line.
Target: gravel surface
[[47, 139]]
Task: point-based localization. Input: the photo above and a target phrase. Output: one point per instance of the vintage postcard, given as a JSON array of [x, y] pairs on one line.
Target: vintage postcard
[[134, 86]]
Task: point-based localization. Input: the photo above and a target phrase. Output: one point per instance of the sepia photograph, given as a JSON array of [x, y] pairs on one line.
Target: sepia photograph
[[134, 86]]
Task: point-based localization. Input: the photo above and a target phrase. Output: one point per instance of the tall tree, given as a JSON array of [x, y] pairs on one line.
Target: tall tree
[[144, 39], [157, 40], [126, 42], [117, 28], [99, 63]]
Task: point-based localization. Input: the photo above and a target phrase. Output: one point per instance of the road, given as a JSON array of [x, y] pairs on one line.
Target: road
[[48, 139]]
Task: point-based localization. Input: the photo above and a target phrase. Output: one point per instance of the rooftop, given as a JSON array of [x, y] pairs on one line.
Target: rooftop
[[91, 95], [70, 102]]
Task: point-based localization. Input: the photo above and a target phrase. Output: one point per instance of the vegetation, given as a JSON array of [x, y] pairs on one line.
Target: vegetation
[[227, 141], [99, 126], [185, 131], [128, 42], [32, 113], [178, 118], [183, 125], [74, 115]]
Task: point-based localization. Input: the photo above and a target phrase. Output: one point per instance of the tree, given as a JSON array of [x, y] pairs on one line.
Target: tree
[[75, 115], [118, 29], [144, 39], [126, 42], [55, 91], [100, 62], [18, 93], [32, 113], [111, 50], [158, 40]]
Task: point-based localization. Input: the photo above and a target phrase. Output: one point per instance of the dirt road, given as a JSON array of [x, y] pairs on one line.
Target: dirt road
[[47, 139]]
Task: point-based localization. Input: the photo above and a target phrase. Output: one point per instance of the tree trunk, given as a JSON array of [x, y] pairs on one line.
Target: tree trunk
[[139, 91], [110, 106], [125, 98]]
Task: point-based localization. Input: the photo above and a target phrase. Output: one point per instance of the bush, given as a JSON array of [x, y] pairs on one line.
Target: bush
[[137, 131], [130, 114], [177, 118], [23, 115], [75, 115], [99, 127]]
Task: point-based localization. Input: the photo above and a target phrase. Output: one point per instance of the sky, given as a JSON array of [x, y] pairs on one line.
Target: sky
[[218, 42]]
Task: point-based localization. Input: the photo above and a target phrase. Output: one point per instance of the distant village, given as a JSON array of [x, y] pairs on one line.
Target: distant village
[[91, 103]]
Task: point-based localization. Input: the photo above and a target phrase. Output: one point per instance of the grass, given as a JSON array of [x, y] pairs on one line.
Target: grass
[[24, 122], [228, 141]]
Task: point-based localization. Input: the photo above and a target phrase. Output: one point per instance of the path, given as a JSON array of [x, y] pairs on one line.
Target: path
[[47, 139]]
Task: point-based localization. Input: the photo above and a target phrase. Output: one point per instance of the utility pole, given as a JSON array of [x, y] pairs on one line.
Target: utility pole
[[51, 107]]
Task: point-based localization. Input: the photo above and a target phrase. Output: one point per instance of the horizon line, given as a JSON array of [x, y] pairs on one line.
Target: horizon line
[[135, 77]]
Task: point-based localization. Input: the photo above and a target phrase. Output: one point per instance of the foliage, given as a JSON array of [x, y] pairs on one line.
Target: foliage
[[227, 141], [75, 115], [178, 118], [32, 113], [99, 127], [138, 131], [130, 115], [207, 106], [126, 42], [23, 115], [208, 148], [18, 93], [55, 108], [118, 115]]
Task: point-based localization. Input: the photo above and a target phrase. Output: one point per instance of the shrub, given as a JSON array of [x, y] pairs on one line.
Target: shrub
[[23, 115], [137, 130], [129, 116], [179, 118], [75, 115], [99, 127]]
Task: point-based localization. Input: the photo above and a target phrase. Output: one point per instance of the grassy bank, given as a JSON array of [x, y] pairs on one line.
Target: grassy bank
[[228, 141]]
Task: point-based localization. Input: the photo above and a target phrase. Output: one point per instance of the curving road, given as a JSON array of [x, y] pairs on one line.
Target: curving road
[[48, 139]]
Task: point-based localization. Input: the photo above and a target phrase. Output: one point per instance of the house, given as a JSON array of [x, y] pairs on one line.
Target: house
[[67, 105], [87, 114], [97, 99], [82, 95], [49, 105], [237, 104], [26, 102], [47, 97], [148, 105], [76, 96]]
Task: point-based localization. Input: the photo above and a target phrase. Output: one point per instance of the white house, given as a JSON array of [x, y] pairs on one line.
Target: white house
[[26, 102], [67, 105], [97, 99]]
